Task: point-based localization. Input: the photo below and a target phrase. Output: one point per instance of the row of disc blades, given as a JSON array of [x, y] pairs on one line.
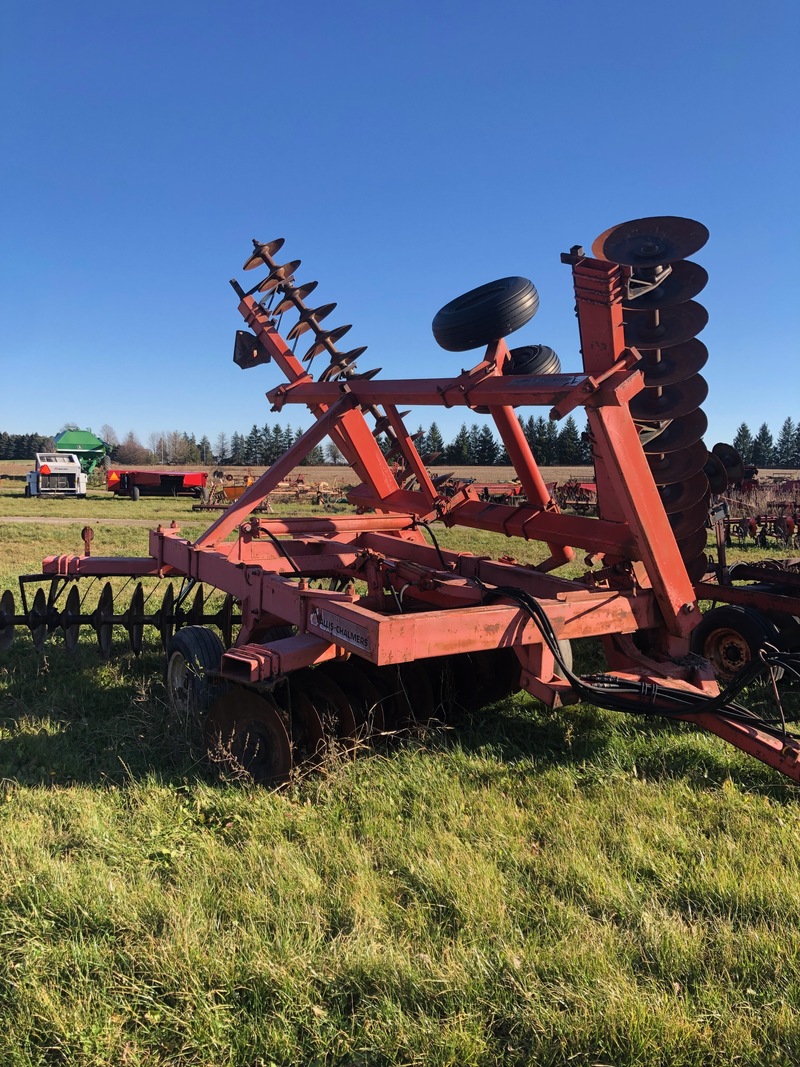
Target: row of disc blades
[[340, 705], [661, 320]]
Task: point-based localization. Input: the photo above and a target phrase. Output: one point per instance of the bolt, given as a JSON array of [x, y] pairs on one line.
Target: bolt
[[687, 609]]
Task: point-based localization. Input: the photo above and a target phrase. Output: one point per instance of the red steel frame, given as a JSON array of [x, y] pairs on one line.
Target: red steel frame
[[640, 583]]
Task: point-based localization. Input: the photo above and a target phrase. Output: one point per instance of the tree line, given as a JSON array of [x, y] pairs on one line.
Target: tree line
[[762, 450], [553, 444]]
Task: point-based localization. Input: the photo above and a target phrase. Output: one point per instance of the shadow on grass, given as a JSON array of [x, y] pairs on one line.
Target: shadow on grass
[[76, 719]]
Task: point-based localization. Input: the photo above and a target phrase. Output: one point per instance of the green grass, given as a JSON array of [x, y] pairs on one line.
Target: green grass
[[534, 887]]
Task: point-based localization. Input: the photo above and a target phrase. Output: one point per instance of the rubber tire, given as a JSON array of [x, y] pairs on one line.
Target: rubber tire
[[135, 492], [27, 490], [485, 314], [195, 650], [532, 359], [751, 627]]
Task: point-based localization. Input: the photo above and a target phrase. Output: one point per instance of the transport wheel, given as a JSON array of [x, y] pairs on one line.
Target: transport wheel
[[191, 653], [246, 736], [532, 359], [485, 314], [731, 637], [27, 490], [135, 492]]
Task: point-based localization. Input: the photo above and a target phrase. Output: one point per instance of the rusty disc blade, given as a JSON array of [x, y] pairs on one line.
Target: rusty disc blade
[[194, 616], [329, 700], [293, 295], [674, 326], [365, 699], [245, 733], [716, 474], [135, 622], [682, 495], [305, 726], [650, 242], [694, 544], [697, 567], [678, 433], [165, 620], [102, 622], [686, 522], [670, 365], [671, 402], [670, 467], [684, 282], [7, 620], [277, 276], [37, 619], [259, 250], [731, 460]]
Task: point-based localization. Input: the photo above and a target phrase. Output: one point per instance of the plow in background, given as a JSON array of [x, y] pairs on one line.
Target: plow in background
[[288, 634]]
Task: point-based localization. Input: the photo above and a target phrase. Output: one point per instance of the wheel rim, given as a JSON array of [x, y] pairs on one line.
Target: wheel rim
[[728, 652]]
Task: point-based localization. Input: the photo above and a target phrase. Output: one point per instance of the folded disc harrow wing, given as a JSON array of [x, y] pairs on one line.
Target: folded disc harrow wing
[[349, 625]]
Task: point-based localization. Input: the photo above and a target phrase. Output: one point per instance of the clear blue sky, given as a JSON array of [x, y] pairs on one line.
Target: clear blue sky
[[407, 152]]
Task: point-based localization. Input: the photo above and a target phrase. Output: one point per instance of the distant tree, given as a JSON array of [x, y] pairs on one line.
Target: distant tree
[[333, 455], [743, 442], [587, 456], [784, 446], [237, 451], [487, 450], [763, 453], [132, 451], [251, 449], [221, 449], [109, 435], [569, 443], [550, 445], [204, 448], [796, 448], [458, 451], [434, 442]]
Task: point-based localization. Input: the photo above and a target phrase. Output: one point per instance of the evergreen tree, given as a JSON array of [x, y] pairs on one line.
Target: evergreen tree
[[434, 442], [587, 456], [743, 442], [784, 447], [569, 443], [474, 443], [204, 448], [487, 447], [550, 445], [796, 448], [252, 446], [237, 450], [763, 453], [421, 440], [458, 450], [222, 448]]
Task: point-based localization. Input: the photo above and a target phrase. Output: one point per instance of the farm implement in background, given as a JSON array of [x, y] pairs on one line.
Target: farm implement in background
[[135, 482], [347, 625]]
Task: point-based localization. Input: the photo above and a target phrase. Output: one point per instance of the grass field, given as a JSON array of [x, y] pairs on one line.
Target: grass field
[[533, 887]]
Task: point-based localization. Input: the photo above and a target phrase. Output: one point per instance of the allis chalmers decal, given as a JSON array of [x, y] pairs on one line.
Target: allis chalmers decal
[[338, 631]]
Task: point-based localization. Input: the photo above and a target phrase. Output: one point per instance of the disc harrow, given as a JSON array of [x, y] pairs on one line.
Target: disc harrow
[[662, 320], [291, 639]]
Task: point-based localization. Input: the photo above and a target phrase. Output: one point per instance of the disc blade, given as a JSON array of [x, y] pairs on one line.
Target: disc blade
[[165, 620], [679, 433], [330, 702], [293, 295], [135, 622], [363, 696], [686, 522], [7, 620], [670, 467], [195, 614], [716, 474], [245, 733], [37, 620], [684, 282], [277, 276], [671, 402], [259, 250], [697, 567], [674, 326], [675, 364], [306, 734], [70, 620], [731, 460], [102, 620], [694, 544], [651, 241], [682, 495]]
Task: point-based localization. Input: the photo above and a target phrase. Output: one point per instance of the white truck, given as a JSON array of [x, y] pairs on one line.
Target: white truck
[[56, 474]]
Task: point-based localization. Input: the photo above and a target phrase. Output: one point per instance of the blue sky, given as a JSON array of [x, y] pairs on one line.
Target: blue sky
[[407, 152]]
